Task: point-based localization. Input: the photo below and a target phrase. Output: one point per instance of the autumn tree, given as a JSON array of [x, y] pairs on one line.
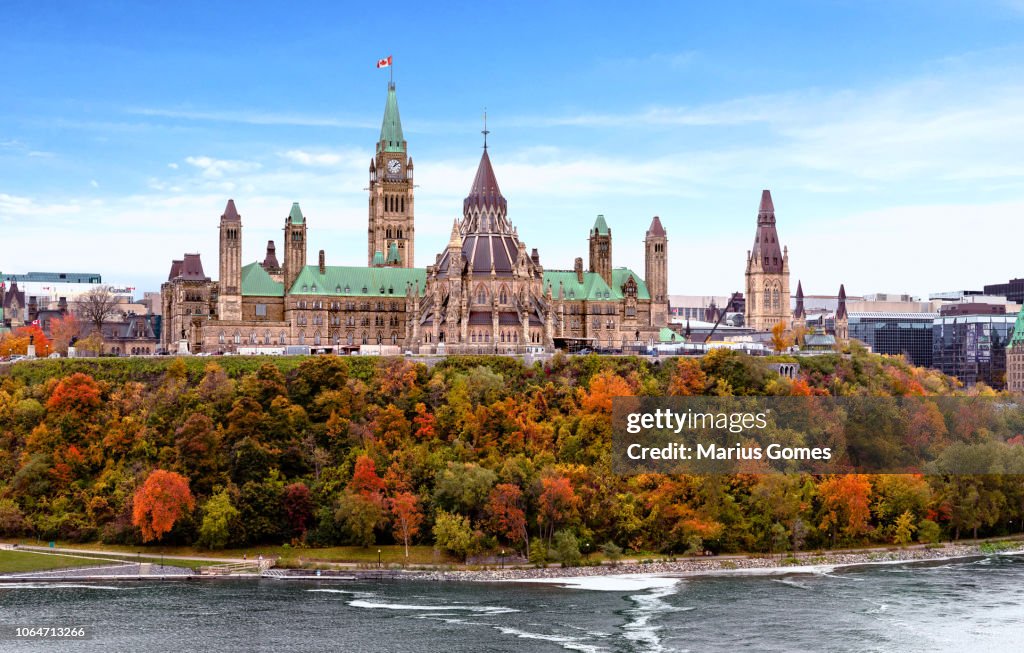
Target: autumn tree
[[64, 330], [161, 501], [557, 504], [688, 379], [604, 387], [406, 517], [505, 515], [845, 505], [219, 518], [781, 340], [298, 508], [365, 481]]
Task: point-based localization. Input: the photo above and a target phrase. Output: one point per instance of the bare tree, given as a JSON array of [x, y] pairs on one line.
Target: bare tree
[[97, 305]]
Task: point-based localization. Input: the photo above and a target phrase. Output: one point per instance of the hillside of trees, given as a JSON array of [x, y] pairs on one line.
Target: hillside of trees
[[471, 455]]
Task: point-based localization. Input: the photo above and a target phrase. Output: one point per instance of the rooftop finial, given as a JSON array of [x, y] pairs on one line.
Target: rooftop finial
[[485, 132]]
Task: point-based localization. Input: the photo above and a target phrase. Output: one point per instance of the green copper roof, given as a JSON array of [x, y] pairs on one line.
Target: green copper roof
[[257, 283], [295, 217], [393, 256], [619, 276], [668, 335], [1017, 339], [343, 281], [593, 287], [600, 226], [391, 127], [378, 258]]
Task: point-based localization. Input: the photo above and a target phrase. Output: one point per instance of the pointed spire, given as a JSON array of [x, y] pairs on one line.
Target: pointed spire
[[485, 192], [767, 253], [841, 305], [656, 229], [798, 311], [295, 216], [456, 240], [600, 226], [391, 139], [230, 213], [766, 211]]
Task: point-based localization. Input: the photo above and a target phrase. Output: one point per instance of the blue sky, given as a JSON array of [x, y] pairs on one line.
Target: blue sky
[[890, 133]]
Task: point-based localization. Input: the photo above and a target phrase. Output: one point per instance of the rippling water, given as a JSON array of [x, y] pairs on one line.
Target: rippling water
[[962, 606]]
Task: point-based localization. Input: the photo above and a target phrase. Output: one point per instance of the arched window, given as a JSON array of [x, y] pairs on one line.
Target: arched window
[[302, 337], [403, 204], [767, 297], [220, 337], [316, 338], [266, 337], [503, 296], [394, 338], [481, 295], [284, 338], [348, 338], [366, 338], [252, 337], [238, 338], [775, 299]]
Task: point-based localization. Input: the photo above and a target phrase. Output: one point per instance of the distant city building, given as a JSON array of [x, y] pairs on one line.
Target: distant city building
[[1012, 290], [969, 341], [1015, 357], [909, 334]]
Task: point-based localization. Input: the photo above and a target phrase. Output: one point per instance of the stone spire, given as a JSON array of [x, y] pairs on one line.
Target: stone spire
[[799, 312], [391, 139]]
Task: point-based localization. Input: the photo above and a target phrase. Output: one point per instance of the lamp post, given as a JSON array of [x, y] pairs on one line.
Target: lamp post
[[503, 558], [378, 558]]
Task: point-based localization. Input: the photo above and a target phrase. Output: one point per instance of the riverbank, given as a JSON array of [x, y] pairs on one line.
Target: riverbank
[[804, 562]]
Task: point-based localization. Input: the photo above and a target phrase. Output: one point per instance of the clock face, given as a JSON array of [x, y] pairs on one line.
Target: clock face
[[394, 166]]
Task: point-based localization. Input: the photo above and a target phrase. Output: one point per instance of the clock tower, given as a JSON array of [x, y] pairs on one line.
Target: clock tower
[[391, 225]]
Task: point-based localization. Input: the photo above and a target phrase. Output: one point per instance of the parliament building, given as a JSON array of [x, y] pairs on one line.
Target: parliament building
[[485, 292]]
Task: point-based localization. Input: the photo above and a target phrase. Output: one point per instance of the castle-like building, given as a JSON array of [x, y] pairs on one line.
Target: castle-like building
[[484, 293]]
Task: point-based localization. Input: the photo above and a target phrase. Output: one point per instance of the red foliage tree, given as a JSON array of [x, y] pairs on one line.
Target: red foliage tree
[[78, 393], [365, 480], [298, 508], [161, 501], [407, 517], [505, 515]]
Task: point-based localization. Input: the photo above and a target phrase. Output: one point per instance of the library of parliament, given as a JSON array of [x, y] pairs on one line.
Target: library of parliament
[[486, 291]]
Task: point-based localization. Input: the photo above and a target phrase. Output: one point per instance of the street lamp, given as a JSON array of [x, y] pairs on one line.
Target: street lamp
[[503, 558], [378, 558]]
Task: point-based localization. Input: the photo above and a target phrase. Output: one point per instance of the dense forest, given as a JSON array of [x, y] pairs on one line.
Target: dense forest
[[471, 455]]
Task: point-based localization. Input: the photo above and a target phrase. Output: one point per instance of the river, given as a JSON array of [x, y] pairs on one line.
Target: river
[[964, 605]]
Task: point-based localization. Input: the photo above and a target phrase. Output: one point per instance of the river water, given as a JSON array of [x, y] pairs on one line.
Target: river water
[[962, 605]]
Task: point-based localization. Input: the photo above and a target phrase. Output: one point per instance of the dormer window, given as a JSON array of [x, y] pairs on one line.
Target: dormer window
[[347, 289], [313, 288], [305, 287], [364, 290], [337, 289]]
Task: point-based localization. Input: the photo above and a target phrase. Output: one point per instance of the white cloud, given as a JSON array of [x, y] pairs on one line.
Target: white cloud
[[313, 158], [216, 168]]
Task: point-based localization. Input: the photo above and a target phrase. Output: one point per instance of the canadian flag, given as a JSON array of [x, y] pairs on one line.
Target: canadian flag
[[384, 63]]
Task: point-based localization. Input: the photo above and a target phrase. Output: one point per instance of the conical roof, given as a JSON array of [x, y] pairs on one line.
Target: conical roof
[[767, 250], [1017, 339], [230, 213], [656, 229], [841, 306], [485, 192], [600, 226], [378, 258], [270, 260], [296, 217], [799, 311], [391, 127]]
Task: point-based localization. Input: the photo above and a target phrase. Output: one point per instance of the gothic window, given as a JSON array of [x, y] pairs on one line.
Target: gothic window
[[767, 297], [266, 337], [399, 233], [366, 338], [380, 338], [238, 338], [220, 337], [252, 338], [394, 338], [775, 299], [348, 338], [503, 297], [316, 338], [302, 337], [388, 233], [403, 204], [284, 338], [481, 295]]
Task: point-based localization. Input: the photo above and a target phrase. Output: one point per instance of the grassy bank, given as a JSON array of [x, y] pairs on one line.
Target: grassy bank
[[17, 562]]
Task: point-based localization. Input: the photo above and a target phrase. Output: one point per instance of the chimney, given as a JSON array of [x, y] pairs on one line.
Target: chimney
[[578, 269], [535, 256], [323, 266]]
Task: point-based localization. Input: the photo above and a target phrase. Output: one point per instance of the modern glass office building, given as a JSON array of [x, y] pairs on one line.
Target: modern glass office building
[[909, 334], [971, 344]]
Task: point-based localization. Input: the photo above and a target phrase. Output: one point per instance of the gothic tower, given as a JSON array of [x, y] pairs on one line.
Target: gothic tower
[[799, 313], [601, 249], [842, 323], [767, 274], [391, 224], [294, 246], [229, 298], [656, 264]]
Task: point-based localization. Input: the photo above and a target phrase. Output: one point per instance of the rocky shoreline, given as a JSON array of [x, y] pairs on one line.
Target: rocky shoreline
[[715, 565]]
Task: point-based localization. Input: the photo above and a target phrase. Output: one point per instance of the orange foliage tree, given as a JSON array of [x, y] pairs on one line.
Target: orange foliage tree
[[557, 504], [407, 517], [161, 501], [505, 516], [63, 330], [688, 379], [846, 504], [603, 388], [78, 393], [366, 482]]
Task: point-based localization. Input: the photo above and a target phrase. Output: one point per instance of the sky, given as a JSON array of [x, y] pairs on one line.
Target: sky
[[891, 133]]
